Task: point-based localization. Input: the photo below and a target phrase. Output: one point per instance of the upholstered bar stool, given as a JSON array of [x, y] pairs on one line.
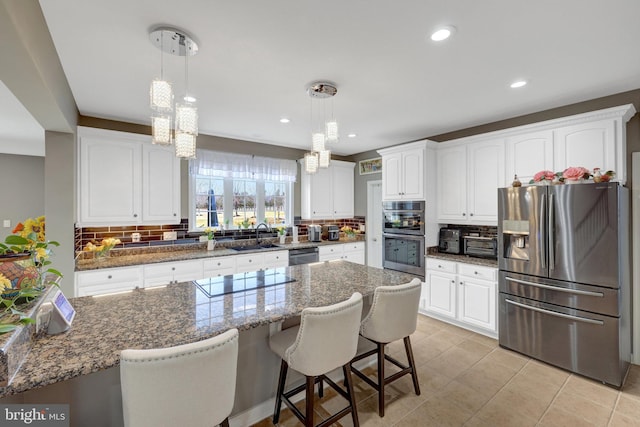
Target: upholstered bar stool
[[187, 385], [393, 316], [326, 339]]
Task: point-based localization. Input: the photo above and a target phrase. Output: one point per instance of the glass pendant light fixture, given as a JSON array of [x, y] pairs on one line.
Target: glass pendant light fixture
[[327, 131], [176, 42]]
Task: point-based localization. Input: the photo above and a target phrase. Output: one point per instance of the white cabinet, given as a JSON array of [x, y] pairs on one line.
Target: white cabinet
[[589, 145], [261, 261], [352, 252], [329, 193], [528, 154], [107, 280], [469, 176], [164, 273], [403, 173], [219, 266], [124, 180], [464, 294], [276, 259]]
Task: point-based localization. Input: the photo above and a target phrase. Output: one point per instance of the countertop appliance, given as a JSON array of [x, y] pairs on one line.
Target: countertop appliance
[[315, 233], [481, 246], [564, 276], [450, 241], [303, 256], [403, 235], [333, 232]]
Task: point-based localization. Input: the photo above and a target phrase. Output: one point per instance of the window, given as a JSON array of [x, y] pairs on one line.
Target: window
[[229, 189]]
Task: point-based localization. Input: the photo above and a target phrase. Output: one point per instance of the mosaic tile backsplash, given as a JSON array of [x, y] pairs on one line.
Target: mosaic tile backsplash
[[151, 235]]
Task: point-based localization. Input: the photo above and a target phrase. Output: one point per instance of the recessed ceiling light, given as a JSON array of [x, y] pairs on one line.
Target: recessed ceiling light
[[518, 84], [352, 135], [442, 33], [189, 99], [284, 120]]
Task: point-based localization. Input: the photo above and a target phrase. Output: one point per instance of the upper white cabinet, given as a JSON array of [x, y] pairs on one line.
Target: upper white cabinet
[[528, 154], [588, 144], [123, 180], [468, 177], [403, 172], [328, 193]]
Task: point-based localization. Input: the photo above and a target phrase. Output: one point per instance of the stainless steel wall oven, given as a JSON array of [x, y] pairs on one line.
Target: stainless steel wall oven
[[403, 234]]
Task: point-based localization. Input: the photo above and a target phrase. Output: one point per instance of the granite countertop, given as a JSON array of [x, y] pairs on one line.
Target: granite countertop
[[182, 313], [487, 262], [188, 252]]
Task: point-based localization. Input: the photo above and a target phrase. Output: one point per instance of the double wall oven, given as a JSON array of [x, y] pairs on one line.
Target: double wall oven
[[403, 234]]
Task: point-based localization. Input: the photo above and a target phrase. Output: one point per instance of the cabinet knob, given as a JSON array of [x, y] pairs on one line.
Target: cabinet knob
[[250, 260], [464, 214], [277, 257], [470, 214], [135, 215], [218, 264], [439, 266], [461, 283], [475, 272], [453, 281], [173, 268], [175, 214], [109, 276]]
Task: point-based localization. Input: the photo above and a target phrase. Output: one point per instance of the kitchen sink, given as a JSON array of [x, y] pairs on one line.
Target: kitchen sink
[[254, 247]]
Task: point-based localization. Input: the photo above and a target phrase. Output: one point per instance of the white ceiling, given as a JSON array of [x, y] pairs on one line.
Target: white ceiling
[[394, 84]]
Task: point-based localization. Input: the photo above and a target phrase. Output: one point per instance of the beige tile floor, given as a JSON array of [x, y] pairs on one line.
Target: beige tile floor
[[467, 380]]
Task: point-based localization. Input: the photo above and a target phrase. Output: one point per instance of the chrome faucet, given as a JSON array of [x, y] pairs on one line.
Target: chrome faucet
[[258, 234]]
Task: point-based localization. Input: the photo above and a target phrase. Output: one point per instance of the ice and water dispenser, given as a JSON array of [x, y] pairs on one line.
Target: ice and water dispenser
[[515, 238]]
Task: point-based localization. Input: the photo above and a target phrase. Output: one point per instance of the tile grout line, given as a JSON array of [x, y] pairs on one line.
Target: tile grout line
[[564, 384], [615, 406]]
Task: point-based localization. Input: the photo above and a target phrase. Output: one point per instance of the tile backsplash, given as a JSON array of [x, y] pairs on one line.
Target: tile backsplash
[[152, 235]]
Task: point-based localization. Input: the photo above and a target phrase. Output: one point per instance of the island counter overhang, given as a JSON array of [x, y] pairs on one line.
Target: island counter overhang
[[181, 313]]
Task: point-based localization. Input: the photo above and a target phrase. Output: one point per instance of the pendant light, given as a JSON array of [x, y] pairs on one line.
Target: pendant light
[[175, 42], [322, 131]]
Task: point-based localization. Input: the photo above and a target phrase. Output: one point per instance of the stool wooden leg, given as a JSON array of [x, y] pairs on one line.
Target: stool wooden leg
[[310, 391], [282, 379], [225, 422], [412, 364], [381, 379], [320, 388], [348, 382]]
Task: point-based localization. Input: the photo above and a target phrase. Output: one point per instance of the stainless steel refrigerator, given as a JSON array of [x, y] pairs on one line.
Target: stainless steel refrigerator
[[564, 276]]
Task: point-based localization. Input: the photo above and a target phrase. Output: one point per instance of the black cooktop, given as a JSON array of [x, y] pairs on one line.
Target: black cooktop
[[240, 282]]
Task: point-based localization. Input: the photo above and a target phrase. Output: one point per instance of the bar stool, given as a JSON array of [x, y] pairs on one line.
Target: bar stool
[[326, 339], [393, 316], [186, 385]]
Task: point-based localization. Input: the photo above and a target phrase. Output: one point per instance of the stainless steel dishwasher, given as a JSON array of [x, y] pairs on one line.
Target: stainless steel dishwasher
[[303, 256]]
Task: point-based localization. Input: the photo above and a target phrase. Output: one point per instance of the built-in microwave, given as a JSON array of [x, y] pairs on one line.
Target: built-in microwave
[[403, 217]]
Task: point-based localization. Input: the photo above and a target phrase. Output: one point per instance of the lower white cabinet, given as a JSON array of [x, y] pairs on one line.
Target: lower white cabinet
[[219, 266], [169, 272], [464, 293], [107, 280], [276, 259], [353, 252]]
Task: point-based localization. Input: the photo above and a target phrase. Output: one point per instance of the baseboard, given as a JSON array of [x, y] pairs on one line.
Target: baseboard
[[265, 409], [472, 328]]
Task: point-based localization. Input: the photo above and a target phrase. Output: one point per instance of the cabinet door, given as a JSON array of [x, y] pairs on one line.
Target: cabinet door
[[321, 194], [452, 184], [249, 262], [391, 176], [160, 185], [342, 183], [159, 274], [413, 174], [354, 252], [527, 155], [441, 294], [107, 280], [186, 271], [329, 253], [477, 303], [109, 180], [589, 145], [485, 165], [276, 259]]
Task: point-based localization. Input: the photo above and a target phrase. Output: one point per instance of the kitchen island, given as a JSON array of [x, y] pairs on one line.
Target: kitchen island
[[80, 367]]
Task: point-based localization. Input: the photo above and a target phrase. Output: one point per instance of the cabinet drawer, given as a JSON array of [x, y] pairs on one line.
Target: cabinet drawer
[[478, 272], [353, 247], [276, 259], [216, 263], [249, 262], [188, 270], [441, 265], [108, 280], [330, 250]]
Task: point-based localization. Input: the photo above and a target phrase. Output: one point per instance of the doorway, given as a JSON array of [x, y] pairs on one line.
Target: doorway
[[374, 224]]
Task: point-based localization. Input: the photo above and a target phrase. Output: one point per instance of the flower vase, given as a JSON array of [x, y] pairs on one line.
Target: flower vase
[[351, 236], [282, 239], [211, 245], [101, 255]]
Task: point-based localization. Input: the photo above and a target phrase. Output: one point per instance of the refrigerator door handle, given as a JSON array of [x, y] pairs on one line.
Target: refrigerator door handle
[[555, 313], [541, 243], [556, 288], [552, 233]]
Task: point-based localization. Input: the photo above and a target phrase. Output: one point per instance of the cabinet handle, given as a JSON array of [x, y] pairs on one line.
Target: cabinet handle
[[453, 281], [461, 283], [470, 214], [218, 264], [175, 214], [475, 272], [464, 214], [173, 269], [109, 276], [439, 266], [250, 260], [135, 215], [277, 257]]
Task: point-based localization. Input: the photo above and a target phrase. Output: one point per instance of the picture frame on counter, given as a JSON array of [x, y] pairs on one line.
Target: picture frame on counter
[[369, 166]]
